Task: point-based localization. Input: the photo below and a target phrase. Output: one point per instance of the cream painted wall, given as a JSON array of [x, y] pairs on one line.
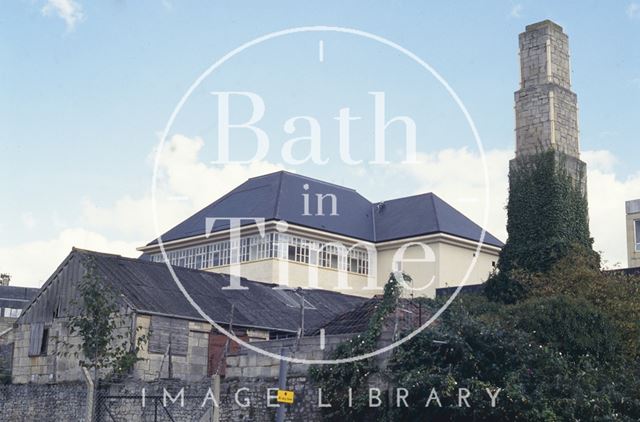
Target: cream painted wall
[[440, 263], [445, 265], [455, 262], [302, 275], [420, 262]]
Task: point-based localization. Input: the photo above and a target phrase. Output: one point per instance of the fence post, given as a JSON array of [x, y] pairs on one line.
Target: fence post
[[282, 384], [216, 396], [90, 395]]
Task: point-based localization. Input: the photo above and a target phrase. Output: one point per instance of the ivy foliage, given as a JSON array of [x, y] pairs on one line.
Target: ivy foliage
[[557, 336], [106, 335], [540, 376], [568, 351], [336, 380], [547, 219], [554, 357]]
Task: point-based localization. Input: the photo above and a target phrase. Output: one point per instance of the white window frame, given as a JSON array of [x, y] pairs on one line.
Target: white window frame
[[271, 245], [12, 312]]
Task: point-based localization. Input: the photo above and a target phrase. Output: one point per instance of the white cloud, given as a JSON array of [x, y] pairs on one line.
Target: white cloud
[[185, 184], [31, 263], [127, 223], [607, 194], [29, 221], [68, 10], [180, 166], [516, 11], [601, 160], [633, 10], [464, 189]]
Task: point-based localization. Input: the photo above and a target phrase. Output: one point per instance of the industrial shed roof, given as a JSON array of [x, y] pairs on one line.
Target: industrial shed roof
[[149, 288]]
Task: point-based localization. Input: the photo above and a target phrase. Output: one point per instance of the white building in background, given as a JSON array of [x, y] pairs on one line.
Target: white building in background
[[304, 232], [633, 232]]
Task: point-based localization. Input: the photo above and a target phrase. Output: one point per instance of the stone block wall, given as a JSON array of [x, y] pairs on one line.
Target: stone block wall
[[251, 364], [546, 109], [191, 367], [44, 402], [544, 55], [54, 366], [546, 118], [240, 400]]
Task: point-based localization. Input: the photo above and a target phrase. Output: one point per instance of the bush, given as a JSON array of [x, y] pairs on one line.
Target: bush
[[556, 357]]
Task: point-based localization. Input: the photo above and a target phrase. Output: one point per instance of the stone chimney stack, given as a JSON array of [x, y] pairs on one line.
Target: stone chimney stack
[[546, 108]]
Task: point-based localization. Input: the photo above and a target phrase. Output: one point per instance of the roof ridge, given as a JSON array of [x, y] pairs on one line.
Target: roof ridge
[[302, 176], [207, 272], [435, 212], [90, 251], [404, 197], [277, 204], [373, 220]]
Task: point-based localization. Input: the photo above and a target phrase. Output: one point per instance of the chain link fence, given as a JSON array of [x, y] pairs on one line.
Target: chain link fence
[[151, 408]]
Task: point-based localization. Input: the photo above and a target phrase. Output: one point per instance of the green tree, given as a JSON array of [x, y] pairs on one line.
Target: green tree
[[538, 378], [105, 332], [549, 357]]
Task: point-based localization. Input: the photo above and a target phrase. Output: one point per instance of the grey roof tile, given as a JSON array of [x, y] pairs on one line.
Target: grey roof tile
[[278, 196]]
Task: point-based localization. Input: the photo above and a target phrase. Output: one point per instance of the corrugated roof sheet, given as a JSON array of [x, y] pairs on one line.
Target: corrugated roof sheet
[[278, 196], [150, 288]]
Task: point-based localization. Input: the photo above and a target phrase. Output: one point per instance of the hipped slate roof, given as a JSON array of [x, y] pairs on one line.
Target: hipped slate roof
[[149, 288], [278, 196]]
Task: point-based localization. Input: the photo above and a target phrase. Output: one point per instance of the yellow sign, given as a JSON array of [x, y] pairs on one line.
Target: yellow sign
[[285, 396]]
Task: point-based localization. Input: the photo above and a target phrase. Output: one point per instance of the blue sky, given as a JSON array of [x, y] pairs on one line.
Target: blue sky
[[87, 87]]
